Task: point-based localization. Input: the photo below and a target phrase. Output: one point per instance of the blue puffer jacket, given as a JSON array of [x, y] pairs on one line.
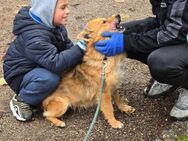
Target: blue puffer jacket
[[37, 46]]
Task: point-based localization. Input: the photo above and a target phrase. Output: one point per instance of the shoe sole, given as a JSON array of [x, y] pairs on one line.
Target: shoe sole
[[14, 112], [174, 115], [179, 119], [166, 93]]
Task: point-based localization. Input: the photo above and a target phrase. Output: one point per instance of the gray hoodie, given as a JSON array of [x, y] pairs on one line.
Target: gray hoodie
[[44, 9]]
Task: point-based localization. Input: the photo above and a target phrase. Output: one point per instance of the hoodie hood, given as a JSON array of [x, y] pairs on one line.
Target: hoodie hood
[[44, 10], [23, 22]]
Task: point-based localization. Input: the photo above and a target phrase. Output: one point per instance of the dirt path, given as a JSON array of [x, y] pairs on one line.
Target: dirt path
[[150, 122]]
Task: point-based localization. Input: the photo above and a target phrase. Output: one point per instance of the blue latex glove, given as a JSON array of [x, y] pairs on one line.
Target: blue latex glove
[[112, 46]]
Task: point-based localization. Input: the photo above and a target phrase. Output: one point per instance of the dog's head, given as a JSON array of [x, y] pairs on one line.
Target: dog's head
[[93, 30]]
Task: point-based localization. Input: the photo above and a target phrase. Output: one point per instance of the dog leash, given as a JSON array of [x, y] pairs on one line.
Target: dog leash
[[102, 81]]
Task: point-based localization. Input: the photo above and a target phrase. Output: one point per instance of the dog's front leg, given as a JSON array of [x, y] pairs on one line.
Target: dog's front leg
[[107, 109]]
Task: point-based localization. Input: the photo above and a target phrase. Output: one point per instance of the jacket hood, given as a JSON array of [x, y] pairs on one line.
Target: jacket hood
[[44, 9], [23, 22]]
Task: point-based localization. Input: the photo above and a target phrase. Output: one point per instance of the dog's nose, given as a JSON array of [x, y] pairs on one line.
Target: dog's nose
[[118, 19]]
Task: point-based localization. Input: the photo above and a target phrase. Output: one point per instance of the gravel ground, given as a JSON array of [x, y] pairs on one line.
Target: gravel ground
[[150, 121]]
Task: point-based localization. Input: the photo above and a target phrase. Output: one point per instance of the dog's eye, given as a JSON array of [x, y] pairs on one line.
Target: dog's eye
[[104, 21], [86, 36]]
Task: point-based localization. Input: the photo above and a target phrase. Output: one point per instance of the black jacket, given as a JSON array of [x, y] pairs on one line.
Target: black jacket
[[37, 46], [170, 26]]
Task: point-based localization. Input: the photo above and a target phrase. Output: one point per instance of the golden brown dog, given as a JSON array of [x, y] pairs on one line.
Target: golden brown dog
[[80, 86]]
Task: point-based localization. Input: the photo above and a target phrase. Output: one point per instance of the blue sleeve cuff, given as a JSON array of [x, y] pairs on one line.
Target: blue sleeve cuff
[[82, 45]]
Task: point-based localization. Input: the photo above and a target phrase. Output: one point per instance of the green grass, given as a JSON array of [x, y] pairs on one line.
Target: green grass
[[182, 138]]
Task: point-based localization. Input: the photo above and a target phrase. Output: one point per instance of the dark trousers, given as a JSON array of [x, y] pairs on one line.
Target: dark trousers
[[167, 64]]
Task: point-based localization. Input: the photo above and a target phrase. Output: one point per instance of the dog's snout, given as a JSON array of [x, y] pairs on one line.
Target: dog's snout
[[118, 19]]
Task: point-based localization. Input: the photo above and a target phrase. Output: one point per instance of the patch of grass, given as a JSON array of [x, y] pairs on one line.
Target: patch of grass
[[182, 138]]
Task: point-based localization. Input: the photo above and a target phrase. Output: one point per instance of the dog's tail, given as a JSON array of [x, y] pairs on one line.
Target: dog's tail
[[47, 114]]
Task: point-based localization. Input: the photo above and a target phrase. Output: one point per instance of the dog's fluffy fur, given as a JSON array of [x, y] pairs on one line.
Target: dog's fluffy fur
[[80, 86]]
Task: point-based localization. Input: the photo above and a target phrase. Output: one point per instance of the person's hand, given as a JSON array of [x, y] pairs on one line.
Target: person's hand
[[82, 45], [112, 46]]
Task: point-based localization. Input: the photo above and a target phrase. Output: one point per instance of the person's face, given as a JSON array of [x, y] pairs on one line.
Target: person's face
[[61, 13]]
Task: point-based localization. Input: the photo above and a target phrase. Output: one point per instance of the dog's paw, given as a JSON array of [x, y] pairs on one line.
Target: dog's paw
[[130, 109], [127, 109], [117, 124], [60, 124]]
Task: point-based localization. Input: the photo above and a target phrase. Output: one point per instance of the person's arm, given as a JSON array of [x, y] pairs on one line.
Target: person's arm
[[41, 51], [140, 26], [142, 42], [172, 32], [175, 25]]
